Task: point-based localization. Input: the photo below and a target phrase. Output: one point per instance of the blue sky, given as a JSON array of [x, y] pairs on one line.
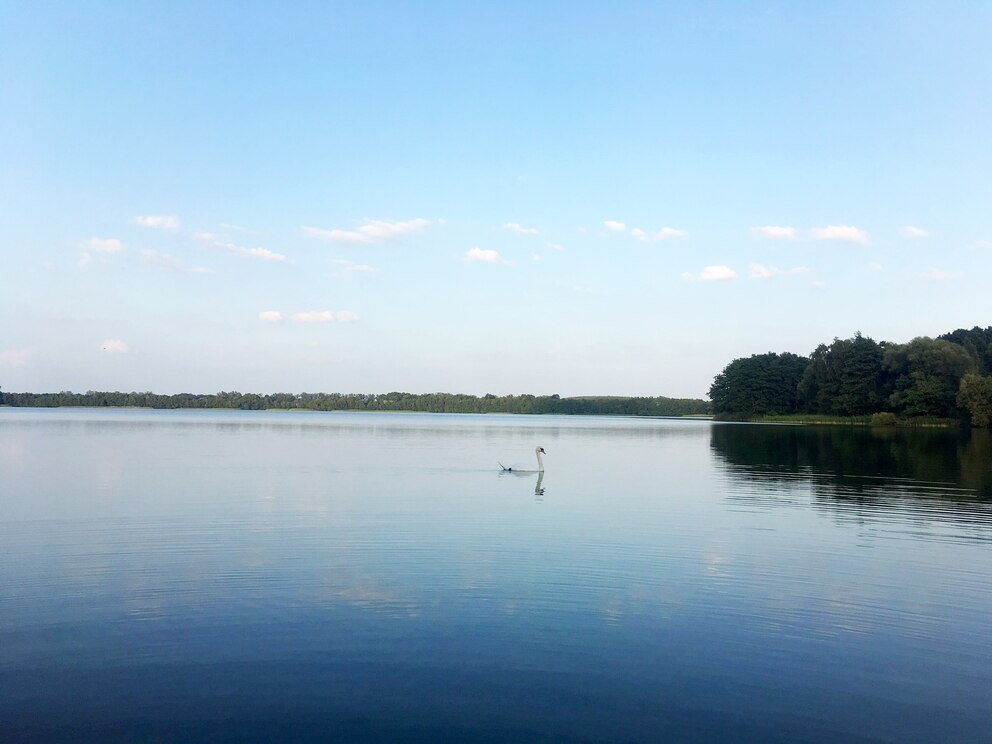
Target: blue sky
[[573, 198]]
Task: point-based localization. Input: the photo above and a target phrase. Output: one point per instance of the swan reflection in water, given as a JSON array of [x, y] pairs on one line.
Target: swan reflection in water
[[538, 488]]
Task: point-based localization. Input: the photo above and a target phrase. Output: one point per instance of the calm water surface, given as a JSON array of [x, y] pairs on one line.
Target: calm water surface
[[240, 576]]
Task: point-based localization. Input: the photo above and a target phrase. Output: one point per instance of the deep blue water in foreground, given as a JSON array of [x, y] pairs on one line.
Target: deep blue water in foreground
[[263, 576]]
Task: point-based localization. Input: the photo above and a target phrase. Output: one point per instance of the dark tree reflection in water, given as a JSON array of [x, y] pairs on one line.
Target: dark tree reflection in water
[[946, 473]]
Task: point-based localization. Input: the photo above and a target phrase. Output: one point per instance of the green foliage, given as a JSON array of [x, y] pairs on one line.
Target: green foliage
[[975, 397], [884, 418], [760, 384], [977, 342], [844, 379], [395, 401], [858, 377], [927, 374]]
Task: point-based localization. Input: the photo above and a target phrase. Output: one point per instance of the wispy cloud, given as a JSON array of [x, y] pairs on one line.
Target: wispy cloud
[[913, 232], [158, 221], [841, 234], [105, 245], [325, 316], [665, 233], [15, 357], [776, 232], [212, 241], [517, 228], [717, 273], [555, 246], [760, 271], [614, 226], [115, 346], [271, 316], [372, 231], [937, 275], [875, 266], [346, 267], [165, 261], [481, 255]]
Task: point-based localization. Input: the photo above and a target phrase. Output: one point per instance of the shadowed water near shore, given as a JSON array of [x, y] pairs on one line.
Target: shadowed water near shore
[[848, 463], [235, 576]]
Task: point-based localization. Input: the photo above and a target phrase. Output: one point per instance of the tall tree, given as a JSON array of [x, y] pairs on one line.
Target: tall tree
[[845, 378], [760, 384], [975, 397], [977, 342], [927, 374]]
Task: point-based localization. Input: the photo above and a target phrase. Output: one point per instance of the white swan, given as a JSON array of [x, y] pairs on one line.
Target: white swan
[[540, 463]]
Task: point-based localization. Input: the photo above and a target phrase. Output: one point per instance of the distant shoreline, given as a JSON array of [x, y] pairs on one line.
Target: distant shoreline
[[395, 401]]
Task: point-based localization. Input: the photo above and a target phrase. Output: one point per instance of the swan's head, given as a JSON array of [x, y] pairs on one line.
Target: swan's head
[[541, 450]]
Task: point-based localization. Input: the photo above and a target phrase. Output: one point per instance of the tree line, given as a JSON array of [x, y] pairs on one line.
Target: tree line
[[948, 377], [395, 401]]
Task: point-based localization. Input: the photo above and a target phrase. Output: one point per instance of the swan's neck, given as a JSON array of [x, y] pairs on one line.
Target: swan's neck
[[540, 461]]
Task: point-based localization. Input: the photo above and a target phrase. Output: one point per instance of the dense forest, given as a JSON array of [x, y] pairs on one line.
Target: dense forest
[[948, 377], [430, 402]]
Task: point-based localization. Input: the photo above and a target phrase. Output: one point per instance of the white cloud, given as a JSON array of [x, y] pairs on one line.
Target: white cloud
[[665, 233], [350, 267], [85, 259], [212, 241], [114, 346], [325, 316], [15, 357], [614, 226], [716, 273], [776, 232], [670, 232], [270, 316], [158, 221], [535, 257], [517, 228], [481, 255], [875, 266], [555, 246], [109, 245], [913, 232], [154, 258], [760, 271], [372, 231], [937, 275], [841, 233]]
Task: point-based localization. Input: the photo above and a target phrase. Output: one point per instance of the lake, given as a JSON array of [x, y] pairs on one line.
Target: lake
[[304, 576]]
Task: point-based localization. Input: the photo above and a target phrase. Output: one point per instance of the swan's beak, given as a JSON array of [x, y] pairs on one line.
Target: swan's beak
[[543, 452]]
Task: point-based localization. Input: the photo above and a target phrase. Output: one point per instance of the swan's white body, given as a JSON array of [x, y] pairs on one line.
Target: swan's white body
[[540, 463]]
